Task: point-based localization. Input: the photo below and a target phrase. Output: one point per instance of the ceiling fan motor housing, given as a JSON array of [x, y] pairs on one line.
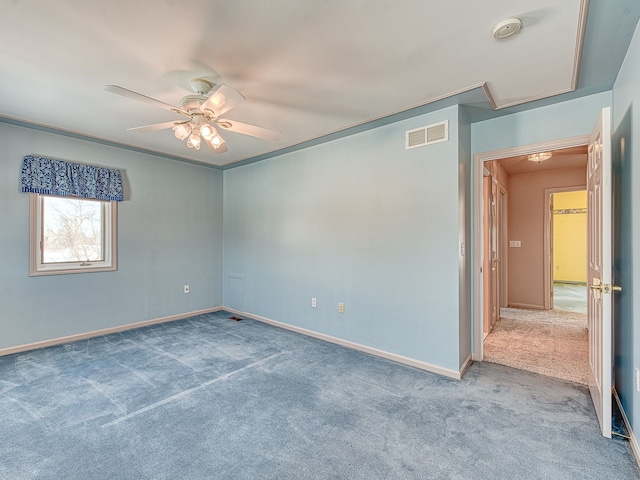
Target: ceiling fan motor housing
[[201, 86], [192, 102]]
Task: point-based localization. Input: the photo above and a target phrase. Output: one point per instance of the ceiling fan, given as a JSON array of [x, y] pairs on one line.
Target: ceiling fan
[[203, 111]]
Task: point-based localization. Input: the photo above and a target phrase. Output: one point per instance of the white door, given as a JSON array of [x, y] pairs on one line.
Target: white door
[[599, 269]]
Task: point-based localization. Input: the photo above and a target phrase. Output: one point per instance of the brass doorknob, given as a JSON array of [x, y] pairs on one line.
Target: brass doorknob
[[605, 287]]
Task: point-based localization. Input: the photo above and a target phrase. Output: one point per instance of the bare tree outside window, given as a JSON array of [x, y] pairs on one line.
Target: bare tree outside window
[[72, 235], [72, 230]]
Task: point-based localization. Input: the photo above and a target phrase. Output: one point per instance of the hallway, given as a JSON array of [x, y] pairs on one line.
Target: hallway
[[549, 342]]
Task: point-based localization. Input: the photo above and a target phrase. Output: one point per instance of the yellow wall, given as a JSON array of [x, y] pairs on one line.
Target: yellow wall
[[569, 237]]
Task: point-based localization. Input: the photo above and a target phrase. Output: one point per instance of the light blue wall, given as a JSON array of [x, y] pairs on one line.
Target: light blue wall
[[465, 215], [358, 220], [626, 147], [169, 233], [562, 120]]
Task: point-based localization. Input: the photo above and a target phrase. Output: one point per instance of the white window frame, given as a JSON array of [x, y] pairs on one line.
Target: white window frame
[[110, 243]]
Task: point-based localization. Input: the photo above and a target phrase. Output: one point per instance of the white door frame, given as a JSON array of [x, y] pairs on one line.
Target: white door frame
[[478, 229], [504, 245]]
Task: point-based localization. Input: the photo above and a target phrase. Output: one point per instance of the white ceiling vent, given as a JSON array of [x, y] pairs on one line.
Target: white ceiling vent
[[434, 133]]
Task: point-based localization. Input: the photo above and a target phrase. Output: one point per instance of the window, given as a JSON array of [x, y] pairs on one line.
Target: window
[[72, 235]]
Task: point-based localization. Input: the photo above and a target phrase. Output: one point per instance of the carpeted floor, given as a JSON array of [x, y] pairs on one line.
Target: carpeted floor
[[210, 398], [548, 342]]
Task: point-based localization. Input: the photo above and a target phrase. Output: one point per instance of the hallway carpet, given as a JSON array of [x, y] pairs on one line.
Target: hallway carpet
[[549, 342], [211, 398]]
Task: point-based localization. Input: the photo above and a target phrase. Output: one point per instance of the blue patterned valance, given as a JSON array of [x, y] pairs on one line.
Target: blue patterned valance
[[57, 177]]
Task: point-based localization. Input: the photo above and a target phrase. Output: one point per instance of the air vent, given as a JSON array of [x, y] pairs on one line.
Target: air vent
[[419, 137], [416, 138]]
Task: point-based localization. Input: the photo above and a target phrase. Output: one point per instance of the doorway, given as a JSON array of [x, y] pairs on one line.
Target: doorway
[[566, 247], [528, 332], [599, 256]]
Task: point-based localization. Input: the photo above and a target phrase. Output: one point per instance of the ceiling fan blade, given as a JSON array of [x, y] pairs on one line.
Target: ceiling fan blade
[[219, 149], [247, 129], [143, 98], [223, 100], [154, 127]]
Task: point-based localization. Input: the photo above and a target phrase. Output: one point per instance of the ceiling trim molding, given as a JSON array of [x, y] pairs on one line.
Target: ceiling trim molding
[[487, 92], [535, 99], [482, 86], [102, 141], [577, 59], [432, 105]]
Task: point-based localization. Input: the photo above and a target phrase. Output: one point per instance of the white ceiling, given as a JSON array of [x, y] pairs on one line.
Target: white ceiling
[[308, 68]]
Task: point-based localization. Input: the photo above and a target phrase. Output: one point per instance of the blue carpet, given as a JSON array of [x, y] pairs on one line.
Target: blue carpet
[[211, 398]]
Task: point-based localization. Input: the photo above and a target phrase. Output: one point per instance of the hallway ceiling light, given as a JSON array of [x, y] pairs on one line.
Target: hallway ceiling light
[[539, 157]]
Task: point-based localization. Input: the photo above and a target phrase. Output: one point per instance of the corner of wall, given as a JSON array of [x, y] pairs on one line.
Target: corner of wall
[[465, 238], [633, 441]]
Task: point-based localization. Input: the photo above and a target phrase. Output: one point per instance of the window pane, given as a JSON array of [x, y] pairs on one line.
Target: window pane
[[71, 230]]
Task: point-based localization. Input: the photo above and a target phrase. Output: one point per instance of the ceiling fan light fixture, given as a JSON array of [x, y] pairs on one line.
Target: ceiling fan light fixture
[[216, 141], [208, 132], [194, 140], [182, 131], [539, 157], [203, 112]]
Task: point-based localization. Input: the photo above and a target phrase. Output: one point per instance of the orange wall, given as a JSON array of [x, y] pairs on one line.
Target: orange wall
[[497, 171], [526, 223]]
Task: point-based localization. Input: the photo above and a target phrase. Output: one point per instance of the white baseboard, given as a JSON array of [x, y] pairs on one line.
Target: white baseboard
[[633, 441], [467, 363], [525, 305], [362, 348], [321, 336], [105, 331]]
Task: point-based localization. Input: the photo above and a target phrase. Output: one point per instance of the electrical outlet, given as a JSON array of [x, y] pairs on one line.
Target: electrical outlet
[[186, 289], [313, 303], [340, 307]]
